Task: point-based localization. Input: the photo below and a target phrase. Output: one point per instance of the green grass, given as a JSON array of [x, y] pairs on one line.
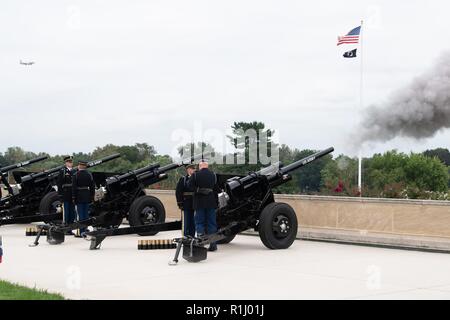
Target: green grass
[[9, 291]]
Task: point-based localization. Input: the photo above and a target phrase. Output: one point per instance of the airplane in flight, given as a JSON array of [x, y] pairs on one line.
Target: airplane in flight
[[27, 63]]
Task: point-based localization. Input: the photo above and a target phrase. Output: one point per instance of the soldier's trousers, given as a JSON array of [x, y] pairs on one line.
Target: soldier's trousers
[[83, 213], [205, 220], [69, 212], [189, 222]]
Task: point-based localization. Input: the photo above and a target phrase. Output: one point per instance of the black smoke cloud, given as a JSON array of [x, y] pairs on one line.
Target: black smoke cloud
[[417, 111]]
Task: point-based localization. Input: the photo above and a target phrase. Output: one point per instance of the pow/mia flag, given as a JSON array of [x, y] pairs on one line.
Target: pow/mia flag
[[350, 54]]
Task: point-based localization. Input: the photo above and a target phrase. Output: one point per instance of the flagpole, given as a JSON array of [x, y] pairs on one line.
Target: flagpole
[[361, 105]]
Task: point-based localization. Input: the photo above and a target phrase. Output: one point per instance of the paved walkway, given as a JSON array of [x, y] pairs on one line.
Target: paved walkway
[[244, 269]]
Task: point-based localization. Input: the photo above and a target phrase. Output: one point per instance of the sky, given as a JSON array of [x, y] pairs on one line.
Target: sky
[[166, 72]]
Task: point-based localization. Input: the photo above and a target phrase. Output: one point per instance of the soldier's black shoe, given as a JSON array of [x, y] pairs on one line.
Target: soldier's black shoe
[[212, 247]]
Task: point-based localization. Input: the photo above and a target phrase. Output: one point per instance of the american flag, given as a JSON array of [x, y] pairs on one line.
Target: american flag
[[351, 37]]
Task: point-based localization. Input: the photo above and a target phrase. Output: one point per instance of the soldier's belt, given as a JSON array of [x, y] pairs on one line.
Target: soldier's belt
[[67, 185], [204, 191], [83, 188], [188, 193]]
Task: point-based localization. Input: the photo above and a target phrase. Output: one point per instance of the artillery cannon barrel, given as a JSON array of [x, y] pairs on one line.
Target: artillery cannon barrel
[[273, 173], [171, 166], [132, 173], [103, 160], [267, 171], [22, 164], [49, 172], [160, 170], [41, 174], [150, 171], [302, 162]]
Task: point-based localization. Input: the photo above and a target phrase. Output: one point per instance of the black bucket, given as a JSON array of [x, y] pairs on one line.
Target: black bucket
[[54, 236], [193, 253]]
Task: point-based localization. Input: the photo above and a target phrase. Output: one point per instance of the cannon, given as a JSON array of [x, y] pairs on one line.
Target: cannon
[[245, 203], [5, 170], [37, 198], [123, 196], [248, 203]]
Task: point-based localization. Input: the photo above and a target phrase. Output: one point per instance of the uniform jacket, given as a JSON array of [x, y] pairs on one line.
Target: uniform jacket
[[184, 194], [204, 179], [64, 183], [83, 187]]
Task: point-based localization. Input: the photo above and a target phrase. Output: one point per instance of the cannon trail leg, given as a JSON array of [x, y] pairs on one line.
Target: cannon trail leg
[[96, 242], [174, 262], [36, 240]]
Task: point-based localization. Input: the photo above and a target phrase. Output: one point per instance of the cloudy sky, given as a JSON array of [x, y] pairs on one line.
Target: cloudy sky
[[157, 71]]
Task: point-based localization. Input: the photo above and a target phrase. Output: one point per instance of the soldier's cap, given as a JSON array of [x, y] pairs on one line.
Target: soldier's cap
[[82, 163], [191, 166], [68, 158]]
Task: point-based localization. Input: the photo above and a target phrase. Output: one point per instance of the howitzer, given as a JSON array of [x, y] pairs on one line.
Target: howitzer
[[123, 196], [97, 237], [246, 203], [37, 199], [4, 171]]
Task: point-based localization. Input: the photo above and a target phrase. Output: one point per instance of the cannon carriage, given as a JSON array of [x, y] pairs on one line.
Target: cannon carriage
[[123, 197], [37, 198], [5, 171]]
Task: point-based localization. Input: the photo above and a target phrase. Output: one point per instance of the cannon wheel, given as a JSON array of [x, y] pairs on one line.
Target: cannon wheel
[[146, 210], [278, 225], [50, 203], [227, 240]]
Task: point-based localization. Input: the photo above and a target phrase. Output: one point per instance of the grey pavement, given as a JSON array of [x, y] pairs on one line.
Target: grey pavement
[[244, 269]]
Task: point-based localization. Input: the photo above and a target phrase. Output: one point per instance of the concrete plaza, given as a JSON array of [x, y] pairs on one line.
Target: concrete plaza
[[244, 269]]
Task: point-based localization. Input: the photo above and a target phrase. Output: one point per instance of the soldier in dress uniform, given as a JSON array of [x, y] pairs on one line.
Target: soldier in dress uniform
[[204, 184], [184, 195], [64, 184], [83, 190]]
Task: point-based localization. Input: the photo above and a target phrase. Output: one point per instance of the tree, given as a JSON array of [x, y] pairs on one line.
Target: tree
[[192, 149], [132, 157], [15, 155], [386, 169], [252, 138], [287, 156], [310, 177], [391, 174], [441, 153], [425, 174], [3, 161], [395, 174], [145, 150], [340, 176]]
